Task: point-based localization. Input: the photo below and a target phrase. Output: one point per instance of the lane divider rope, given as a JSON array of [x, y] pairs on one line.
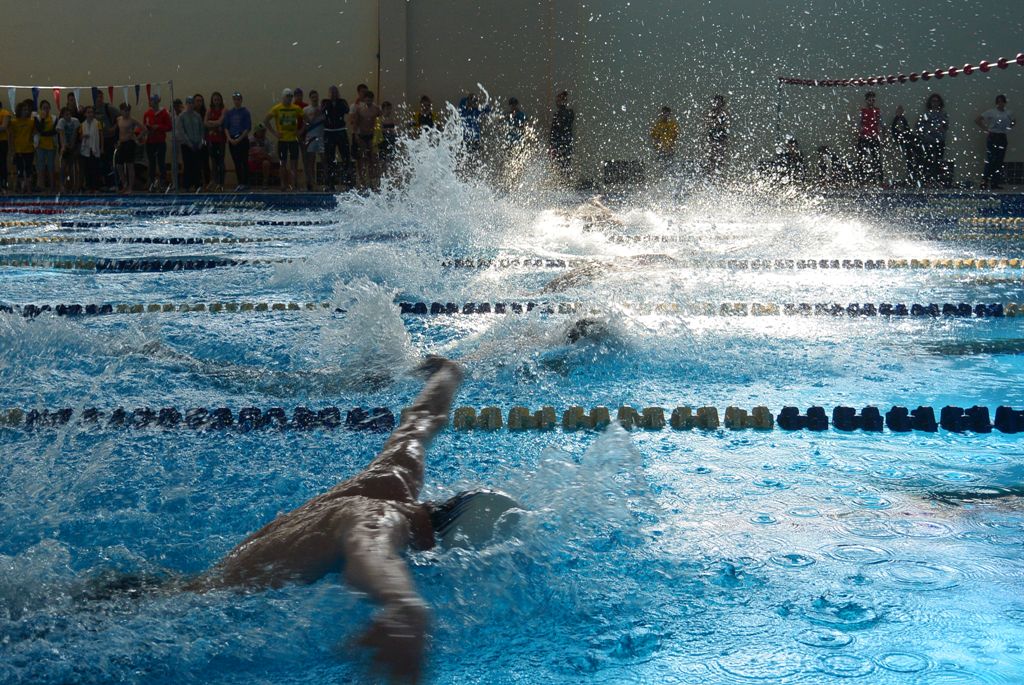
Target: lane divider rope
[[736, 309], [930, 236], [746, 264], [869, 419], [132, 265], [31, 240]]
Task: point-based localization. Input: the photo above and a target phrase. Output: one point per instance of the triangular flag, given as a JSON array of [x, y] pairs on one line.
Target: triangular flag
[[95, 94], [110, 95], [78, 100], [56, 97], [149, 92], [35, 98], [12, 97], [138, 89], [124, 92]]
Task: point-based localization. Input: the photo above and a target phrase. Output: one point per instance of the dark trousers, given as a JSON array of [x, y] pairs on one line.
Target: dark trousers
[[870, 160], [108, 173], [935, 168], [217, 161], [91, 172], [3, 164], [203, 162], [240, 158], [156, 155], [335, 146], [912, 157], [995, 153], [190, 161]]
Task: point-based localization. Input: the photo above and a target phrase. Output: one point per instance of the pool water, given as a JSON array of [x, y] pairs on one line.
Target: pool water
[[647, 556]]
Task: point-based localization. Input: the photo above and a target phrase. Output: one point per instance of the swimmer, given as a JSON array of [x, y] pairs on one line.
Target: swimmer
[[594, 214], [588, 273], [361, 526]]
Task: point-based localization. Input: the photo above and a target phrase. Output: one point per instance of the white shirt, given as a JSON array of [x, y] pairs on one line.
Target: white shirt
[[91, 138], [998, 122]]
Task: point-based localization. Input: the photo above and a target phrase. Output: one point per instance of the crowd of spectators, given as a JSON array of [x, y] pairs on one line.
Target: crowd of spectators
[[320, 144], [330, 143]]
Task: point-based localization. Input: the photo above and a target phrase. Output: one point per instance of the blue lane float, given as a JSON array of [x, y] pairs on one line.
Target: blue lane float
[[130, 264], [868, 420]]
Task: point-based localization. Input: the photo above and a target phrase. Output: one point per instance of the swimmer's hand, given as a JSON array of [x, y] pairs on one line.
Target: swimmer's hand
[[397, 637], [434, 363]]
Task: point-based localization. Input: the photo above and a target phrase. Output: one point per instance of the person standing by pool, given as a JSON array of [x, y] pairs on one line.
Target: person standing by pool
[[563, 125], [237, 126], [91, 150], [157, 122], [107, 115], [337, 157], [664, 134], [189, 133], [312, 137], [904, 136], [719, 123], [426, 117], [387, 144], [933, 125], [283, 121], [67, 143], [996, 123], [473, 116], [127, 144], [363, 524], [5, 119], [366, 115], [869, 142], [22, 128], [46, 152], [215, 139]]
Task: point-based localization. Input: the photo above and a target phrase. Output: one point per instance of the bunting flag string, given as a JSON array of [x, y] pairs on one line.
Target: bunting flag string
[[56, 97], [984, 66], [57, 90]]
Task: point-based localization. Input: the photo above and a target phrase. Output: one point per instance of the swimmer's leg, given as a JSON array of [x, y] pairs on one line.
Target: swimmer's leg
[[404, 452]]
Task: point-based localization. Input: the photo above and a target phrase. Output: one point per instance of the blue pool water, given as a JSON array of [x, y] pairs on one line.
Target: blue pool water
[[649, 557]]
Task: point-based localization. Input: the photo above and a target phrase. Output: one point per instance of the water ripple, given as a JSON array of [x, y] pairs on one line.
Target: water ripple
[[758, 664], [792, 560], [921, 576], [824, 637], [902, 662], [858, 554], [846, 665]]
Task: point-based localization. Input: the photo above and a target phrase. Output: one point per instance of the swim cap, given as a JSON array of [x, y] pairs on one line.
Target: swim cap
[[471, 518]]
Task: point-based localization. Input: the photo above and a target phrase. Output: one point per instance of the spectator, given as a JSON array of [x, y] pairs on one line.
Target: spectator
[[46, 152], [297, 98], [361, 91], [996, 123], [515, 122], [387, 145], [237, 127], [366, 116], [904, 136], [719, 123], [869, 142], [189, 133], [67, 142], [91, 150], [562, 134], [107, 115], [283, 120], [472, 120], [199, 106], [933, 125], [664, 134], [790, 167], [312, 137], [157, 122], [426, 117], [74, 108], [5, 122], [22, 129], [261, 159], [215, 139], [127, 145], [335, 111]]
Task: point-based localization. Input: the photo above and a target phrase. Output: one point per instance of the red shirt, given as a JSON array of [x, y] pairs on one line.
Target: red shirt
[[870, 122], [215, 135], [160, 123]]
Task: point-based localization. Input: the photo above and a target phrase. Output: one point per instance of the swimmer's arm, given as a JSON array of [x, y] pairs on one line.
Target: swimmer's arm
[[373, 565], [405, 449]]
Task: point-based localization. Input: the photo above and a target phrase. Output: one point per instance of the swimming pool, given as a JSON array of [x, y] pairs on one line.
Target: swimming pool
[[665, 556]]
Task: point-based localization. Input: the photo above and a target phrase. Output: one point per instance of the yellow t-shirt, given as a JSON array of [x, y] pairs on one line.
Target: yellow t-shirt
[[665, 133], [48, 142], [21, 135], [286, 121], [6, 114]]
